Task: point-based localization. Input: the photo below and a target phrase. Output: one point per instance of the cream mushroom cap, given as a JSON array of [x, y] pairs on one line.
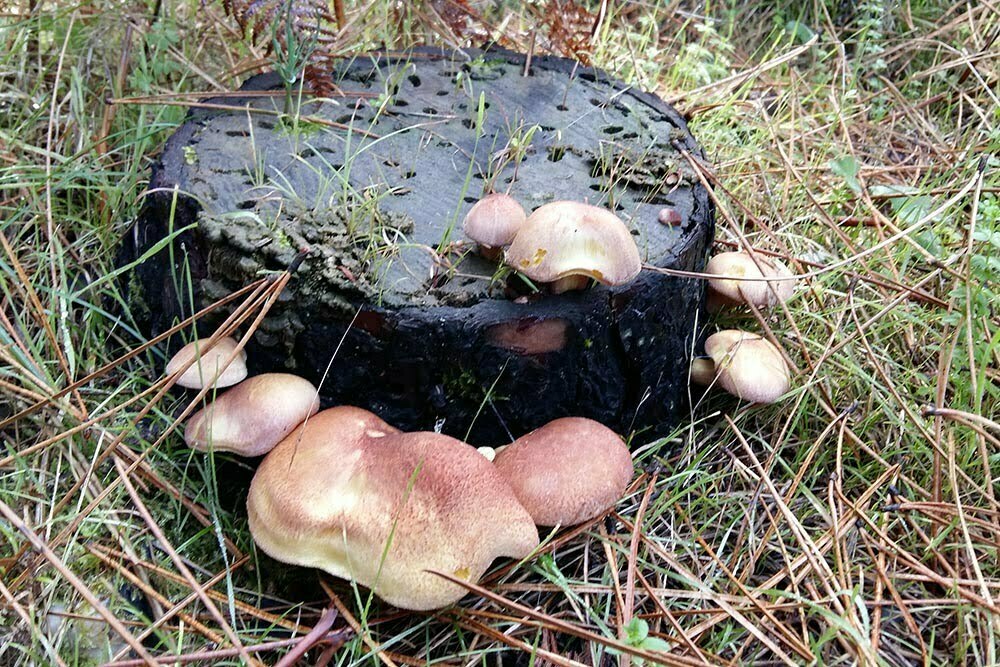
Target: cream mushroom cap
[[355, 497], [254, 416], [732, 291], [570, 470], [748, 365], [494, 220], [209, 364], [566, 238]]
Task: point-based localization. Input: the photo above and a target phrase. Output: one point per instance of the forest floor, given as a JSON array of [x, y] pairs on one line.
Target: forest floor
[[856, 521]]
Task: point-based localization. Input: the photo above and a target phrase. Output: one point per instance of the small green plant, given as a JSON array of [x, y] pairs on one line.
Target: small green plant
[[874, 22], [518, 146], [976, 304], [293, 50], [706, 59], [637, 636], [847, 168], [908, 204], [480, 125]]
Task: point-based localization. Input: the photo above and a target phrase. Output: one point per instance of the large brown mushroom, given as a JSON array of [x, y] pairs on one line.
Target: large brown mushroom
[[732, 287], [570, 470], [567, 243], [744, 364], [353, 496], [209, 367], [254, 416]]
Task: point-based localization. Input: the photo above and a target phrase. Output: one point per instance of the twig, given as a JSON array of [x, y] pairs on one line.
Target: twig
[[335, 637], [311, 638]]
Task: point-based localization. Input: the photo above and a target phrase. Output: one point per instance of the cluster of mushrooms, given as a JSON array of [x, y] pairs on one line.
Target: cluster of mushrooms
[[745, 364], [345, 492], [564, 244]]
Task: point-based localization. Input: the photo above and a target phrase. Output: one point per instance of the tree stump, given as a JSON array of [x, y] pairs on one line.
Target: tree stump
[[376, 183]]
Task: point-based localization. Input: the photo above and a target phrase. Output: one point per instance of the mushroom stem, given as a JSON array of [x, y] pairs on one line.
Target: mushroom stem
[[490, 253], [702, 371], [716, 302], [569, 283]]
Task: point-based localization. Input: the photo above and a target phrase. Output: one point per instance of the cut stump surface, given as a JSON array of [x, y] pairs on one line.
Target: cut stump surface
[[376, 183]]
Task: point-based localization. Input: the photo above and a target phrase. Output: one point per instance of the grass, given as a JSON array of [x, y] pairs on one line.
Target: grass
[[857, 521]]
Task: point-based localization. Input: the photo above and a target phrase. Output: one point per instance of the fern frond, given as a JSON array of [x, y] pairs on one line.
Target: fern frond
[[307, 23], [308, 20]]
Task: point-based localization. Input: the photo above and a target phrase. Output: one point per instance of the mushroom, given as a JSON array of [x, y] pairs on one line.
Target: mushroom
[[570, 470], [566, 243], [355, 497], [744, 364], [669, 216], [208, 369], [729, 291], [254, 416], [492, 223]]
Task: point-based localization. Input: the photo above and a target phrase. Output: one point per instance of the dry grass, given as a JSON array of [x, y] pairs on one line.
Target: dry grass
[[855, 522]]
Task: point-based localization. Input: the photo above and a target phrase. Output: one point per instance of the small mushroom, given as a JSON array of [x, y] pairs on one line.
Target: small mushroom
[[744, 364], [208, 370], [492, 223], [669, 216], [570, 470], [733, 290], [567, 243], [254, 416], [353, 496]]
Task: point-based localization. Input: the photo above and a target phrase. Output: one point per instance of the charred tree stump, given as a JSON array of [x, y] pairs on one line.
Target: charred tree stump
[[376, 184]]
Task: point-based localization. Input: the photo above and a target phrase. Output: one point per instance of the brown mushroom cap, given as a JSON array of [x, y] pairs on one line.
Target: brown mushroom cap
[[748, 365], [209, 364], [669, 216], [254, 416], [566, 238], [493, 221], [570, 470], [733, 291], [355, 497]]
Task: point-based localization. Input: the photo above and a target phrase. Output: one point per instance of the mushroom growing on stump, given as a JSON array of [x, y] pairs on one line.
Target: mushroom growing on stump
[[570, 470], [208, 368], [492, 223], [731, 291], [669, 215], [254, 416], [744, 364], [566, 243], [353, 496]]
